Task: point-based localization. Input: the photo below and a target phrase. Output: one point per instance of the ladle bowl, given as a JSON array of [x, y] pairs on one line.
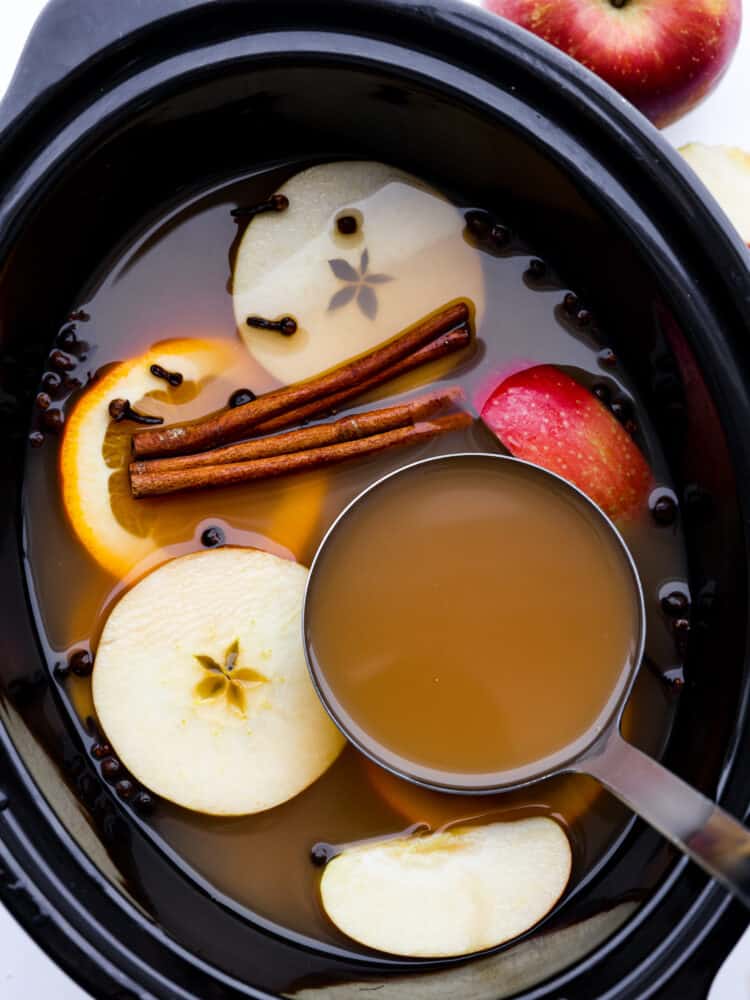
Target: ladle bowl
[[693, 823]]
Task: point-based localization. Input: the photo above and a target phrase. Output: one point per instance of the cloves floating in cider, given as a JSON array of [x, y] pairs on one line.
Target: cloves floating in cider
[[67, 337], [174, 378], [120, 409], [51, 381], [213, 537], [622, 410], [53, 419], [675, 604], [500, 235], [111, 769], [321, 854], [663, 509], [125, 788], [479, 224], [602, 393], [276, 203], [285, 326], [241, 397], [347, 225], [61, 361], [81, 663], [143, 803]]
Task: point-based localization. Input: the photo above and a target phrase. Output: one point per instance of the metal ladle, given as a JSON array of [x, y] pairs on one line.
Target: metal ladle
[[693, 823]]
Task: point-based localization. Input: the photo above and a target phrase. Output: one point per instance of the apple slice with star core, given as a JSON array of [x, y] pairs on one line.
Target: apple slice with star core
[[201, 686], [361, 251]]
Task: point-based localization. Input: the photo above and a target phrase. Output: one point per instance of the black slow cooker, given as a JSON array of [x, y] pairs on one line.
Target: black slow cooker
[[118, 105]]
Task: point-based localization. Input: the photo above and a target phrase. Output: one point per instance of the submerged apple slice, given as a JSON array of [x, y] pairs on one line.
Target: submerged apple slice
[[725, 170], [450, 893], [201, 686], [544, 416], [401, 255]]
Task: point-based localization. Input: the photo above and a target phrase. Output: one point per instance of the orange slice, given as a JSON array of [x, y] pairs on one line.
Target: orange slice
[[117, 530]]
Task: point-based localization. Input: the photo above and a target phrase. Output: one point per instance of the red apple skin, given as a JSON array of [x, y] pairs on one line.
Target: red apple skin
[[545, 417], [662, 55]]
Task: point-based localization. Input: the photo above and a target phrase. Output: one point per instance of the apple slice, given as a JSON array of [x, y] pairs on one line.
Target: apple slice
[[201, 685], [401, 256], [725, 170], [544, 416], [451, 893]]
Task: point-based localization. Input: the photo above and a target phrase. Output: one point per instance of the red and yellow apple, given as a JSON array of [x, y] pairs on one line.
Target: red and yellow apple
[[663, 55], [725, 170], [544, 416]]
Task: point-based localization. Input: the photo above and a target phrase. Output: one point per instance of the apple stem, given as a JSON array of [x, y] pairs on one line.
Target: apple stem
[[618, 3]]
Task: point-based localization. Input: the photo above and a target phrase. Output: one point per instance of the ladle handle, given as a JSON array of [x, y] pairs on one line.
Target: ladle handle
[[695, 824]]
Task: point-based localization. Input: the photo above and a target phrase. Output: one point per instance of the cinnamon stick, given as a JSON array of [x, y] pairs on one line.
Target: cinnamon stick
[[359, 425], [231, 424], [158, 483], [448, 343]]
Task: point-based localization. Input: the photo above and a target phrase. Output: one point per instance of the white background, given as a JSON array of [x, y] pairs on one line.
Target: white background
[[25, 972]]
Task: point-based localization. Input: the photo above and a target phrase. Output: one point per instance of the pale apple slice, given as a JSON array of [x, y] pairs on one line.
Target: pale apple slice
[[725, 170], [349, 292], [201, 686], [452, 893]]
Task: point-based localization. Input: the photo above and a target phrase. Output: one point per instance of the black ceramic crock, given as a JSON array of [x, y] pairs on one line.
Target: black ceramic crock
[[117, 105]]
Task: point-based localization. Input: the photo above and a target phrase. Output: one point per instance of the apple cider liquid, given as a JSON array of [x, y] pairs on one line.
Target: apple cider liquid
[[171, 283], [487, 630]]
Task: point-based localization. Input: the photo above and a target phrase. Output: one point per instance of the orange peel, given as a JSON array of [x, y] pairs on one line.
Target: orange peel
[[115, 529]]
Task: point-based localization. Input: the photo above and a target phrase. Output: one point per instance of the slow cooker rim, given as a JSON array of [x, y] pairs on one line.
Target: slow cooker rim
[[490, 30]]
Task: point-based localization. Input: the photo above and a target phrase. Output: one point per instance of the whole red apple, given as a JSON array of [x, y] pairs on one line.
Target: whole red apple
[[663, 55]]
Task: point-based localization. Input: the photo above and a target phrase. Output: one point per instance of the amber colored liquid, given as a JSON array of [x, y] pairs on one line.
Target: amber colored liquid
[[472, 620], [170, 280]]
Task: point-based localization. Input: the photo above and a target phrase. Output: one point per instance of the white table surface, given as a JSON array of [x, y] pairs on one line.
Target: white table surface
[[25, 972]]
